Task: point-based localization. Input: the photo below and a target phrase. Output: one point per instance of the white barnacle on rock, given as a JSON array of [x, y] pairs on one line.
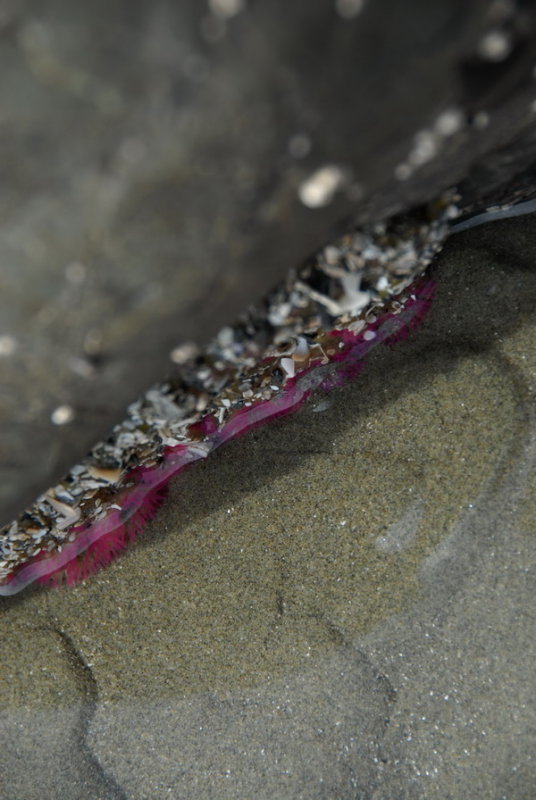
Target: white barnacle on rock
[[288, 365], [355, 299], [495, 46], [66, 515], [424, 148], [62, 415], [278, 314], [319, 189]]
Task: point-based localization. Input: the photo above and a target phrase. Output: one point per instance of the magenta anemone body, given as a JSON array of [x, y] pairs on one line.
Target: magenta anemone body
[[92, 546]]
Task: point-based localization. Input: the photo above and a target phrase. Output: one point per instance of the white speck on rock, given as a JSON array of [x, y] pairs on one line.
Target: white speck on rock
[[318, 189], [424, 148], [8, 345], [226, 9], [496, 45], [62, 415], [348, 9], [449, 122], [184, 352]]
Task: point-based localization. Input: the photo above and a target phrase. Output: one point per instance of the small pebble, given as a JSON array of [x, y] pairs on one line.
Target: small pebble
[[62, 415], [184, 352], [449, 122], [319, 188], [495, 46]]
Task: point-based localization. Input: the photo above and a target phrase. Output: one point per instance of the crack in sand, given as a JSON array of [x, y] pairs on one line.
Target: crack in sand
[[90, 692]]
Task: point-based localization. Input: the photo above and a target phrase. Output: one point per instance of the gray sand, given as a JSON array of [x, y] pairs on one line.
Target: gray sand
[[338, 605]]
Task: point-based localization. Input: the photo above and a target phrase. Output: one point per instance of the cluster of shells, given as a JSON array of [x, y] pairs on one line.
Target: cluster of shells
[[347, 285]]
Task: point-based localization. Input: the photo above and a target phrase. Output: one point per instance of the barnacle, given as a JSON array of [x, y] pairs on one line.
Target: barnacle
[[311, 332]]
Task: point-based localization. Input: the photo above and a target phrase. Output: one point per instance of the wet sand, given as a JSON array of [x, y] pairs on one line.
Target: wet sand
[[339, 604]]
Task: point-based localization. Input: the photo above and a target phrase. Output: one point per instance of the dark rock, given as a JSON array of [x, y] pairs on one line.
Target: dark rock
[[150, 173]]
